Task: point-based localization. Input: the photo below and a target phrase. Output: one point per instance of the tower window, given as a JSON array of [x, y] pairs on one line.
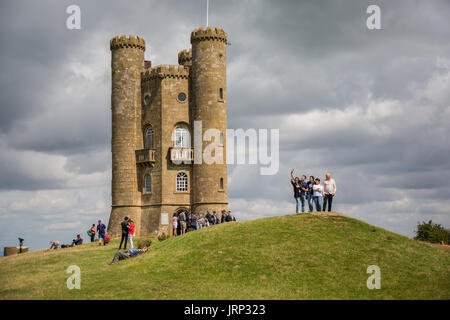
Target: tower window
[[147, 99], [221, 184], [182, 182], [221, 139], [147, 184], [182, 97], [149, 138], [220, 94], [181, 137]]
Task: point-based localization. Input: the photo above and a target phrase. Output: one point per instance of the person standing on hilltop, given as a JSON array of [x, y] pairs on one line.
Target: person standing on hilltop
[[310, 193], [125, 227], [101, 230], [318, 194], [329, 190], [297, 191], [216, 218], [92, 232], [182, 222], [131, 233], [174, 225], [303, 192]]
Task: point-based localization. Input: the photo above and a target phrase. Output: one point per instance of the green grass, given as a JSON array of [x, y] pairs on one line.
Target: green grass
[[289, 257]]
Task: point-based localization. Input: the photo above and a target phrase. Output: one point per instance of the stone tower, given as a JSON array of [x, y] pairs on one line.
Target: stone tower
[[153, 114], [127, 62], [209, 82]]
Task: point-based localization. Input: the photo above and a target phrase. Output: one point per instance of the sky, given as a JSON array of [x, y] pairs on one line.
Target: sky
[[370, 106]]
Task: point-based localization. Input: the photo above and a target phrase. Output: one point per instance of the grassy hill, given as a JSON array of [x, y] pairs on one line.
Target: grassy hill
[[289, 257]]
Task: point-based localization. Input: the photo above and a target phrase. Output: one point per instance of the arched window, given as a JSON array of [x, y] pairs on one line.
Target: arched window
[[149, 138], [182, 182], [181, 137], [147, 184], [221, 184]]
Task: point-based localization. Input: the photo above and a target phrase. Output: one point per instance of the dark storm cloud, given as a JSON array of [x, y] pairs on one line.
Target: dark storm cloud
[[372, 107]]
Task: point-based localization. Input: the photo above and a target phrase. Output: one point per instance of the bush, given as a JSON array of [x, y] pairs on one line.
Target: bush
[[144, 243], [432, 232], [162, 237]]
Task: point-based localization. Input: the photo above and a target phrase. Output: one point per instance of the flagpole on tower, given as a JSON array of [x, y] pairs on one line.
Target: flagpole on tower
[[207, 13]]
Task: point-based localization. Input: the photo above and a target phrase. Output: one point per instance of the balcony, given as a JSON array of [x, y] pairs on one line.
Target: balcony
[[182, 155], [145, 157]]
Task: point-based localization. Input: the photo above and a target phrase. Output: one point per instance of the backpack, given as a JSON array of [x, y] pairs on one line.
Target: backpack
[[89, 232]]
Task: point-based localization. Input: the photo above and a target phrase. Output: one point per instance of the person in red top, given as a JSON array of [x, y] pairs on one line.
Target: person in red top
[[93, 232], [131, 233]]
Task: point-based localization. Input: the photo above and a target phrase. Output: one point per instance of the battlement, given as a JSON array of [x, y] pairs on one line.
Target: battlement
[[185, 57], [124, 42], [164, 71], [209, 33]]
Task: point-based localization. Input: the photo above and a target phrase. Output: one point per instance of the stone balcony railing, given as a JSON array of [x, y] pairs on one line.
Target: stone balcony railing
[[182, 155], [145, 157]]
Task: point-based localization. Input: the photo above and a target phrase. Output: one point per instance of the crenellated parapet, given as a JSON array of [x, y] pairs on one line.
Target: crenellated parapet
[[127, 42], [209, 33], [185, 57], [164, 71]]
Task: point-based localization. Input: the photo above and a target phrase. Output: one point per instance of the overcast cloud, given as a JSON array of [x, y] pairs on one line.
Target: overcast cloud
[[370, 106]]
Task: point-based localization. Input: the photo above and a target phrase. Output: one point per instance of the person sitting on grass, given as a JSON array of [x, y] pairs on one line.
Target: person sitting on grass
[[54, 245], [77, 241], [127, 254]]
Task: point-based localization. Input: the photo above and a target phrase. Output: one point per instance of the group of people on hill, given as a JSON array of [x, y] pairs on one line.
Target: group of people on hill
[[313, 192], [99, 230], [182, 222], [186, 221], [57, 245]]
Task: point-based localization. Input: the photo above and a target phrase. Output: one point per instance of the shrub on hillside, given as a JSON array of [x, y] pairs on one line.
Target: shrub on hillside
[[432, 232], [162, 237], [144, 243]]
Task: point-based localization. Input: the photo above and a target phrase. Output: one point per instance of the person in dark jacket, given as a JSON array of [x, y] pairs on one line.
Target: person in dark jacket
[[127, 254], [101, 230], [310, 193], [125, 226], [224, 216], [298, 190]]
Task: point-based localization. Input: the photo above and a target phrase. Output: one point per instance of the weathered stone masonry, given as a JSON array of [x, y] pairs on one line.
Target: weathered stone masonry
[[159, 100]]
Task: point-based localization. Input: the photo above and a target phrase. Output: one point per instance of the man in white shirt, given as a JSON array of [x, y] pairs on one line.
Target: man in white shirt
[[329, 190]]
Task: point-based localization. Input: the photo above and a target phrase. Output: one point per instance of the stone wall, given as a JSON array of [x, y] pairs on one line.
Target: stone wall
[[127, 63], [144, 97], [9, 251], [208, 74]]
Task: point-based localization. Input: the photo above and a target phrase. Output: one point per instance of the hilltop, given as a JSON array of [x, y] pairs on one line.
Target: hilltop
[[289, 257]]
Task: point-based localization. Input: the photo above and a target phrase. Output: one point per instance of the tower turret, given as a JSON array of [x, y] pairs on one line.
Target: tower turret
[[185, 58], [209, 87], [127, 63]]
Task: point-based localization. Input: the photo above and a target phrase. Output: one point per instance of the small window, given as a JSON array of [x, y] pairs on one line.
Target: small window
[[221, 94], [182, 182], [147, 184], [221, 184], [147, 99], [182, 97], [149, 143], [221, 139]]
